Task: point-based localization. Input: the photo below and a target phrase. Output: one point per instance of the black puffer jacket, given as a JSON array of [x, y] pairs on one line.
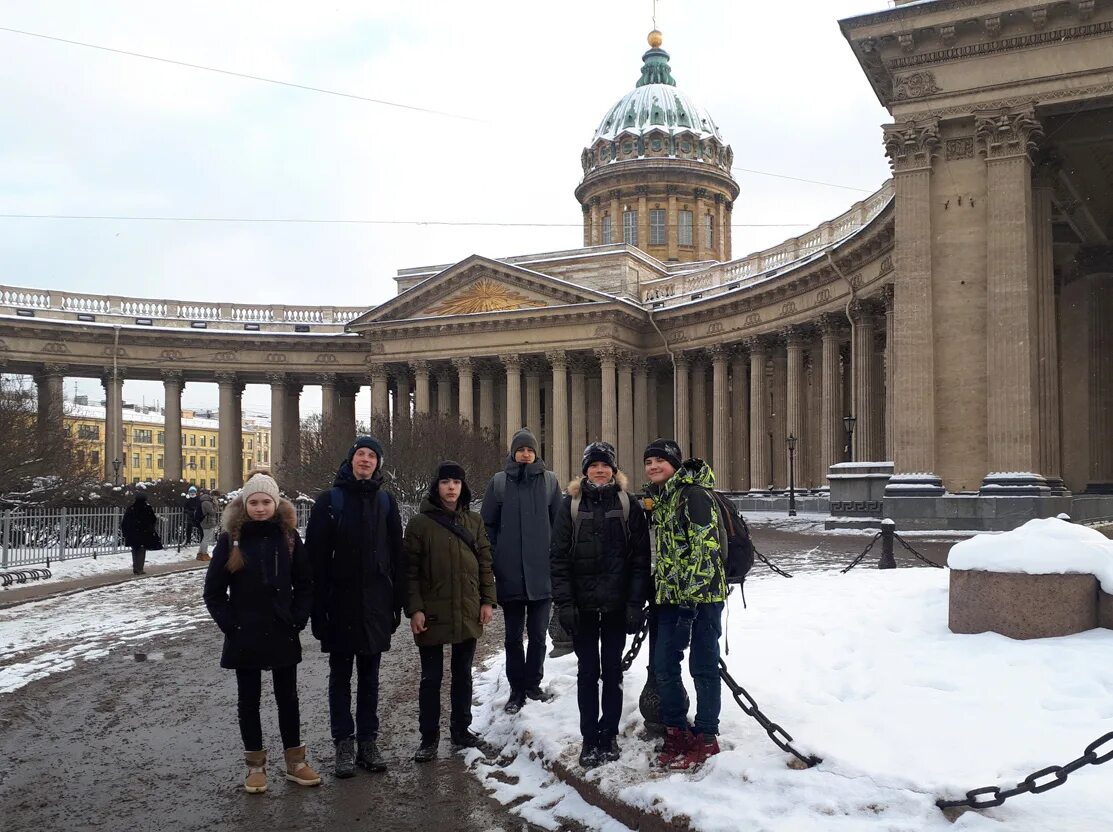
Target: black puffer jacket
[[603, 569], [139, 524], [359, 569], [262, 607]]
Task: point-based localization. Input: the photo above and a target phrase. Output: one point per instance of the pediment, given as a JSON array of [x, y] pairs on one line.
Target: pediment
[[478, 286]]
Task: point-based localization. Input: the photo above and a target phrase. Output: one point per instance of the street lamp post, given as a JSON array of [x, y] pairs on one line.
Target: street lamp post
[[848, 422], [116, 471], [791, 442]]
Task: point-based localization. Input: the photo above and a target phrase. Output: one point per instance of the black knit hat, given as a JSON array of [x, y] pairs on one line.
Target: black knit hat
[[449, 470], [665, 449], [599, 452], [367, 442], [523, 439]]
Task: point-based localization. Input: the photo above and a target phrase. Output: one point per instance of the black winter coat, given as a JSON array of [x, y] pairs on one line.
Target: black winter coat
[[603, 568], [262, 607], [139, 525], [359, 569]]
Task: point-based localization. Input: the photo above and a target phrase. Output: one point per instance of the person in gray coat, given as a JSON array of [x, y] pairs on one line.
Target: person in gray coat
[[519, 509]]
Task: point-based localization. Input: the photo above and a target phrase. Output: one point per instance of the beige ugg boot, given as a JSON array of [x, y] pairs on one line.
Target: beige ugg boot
[[298, 770], [256, 780]]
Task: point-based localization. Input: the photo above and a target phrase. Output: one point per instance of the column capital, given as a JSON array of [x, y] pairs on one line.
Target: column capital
[[797, 335], [888, 297], [420, 366], [464, 364], [511, 362], [1007, 133], [172, 376], [831, 325], [577, 362], [108, 374], [625, 359], [557, 359], [720, 352], [347, 386], [911, 145], [275, 378], [758, 344], [51, 369], [327, 378], [225, 377], [375, 369], [865, 310], [607, 353], [533, 365], [639, 363]]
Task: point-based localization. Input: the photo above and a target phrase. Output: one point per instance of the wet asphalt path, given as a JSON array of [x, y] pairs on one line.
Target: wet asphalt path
[[120, 743]]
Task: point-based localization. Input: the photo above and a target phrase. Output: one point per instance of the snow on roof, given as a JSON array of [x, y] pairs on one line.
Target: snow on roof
[[97, 413], [1040, 547]]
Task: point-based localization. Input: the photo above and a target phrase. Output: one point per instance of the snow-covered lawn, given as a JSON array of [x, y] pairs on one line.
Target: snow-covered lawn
[[863, 672], [81, 567]]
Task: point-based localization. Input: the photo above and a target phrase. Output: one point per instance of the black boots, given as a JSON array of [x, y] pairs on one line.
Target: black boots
[[515, 702], [463, 738], [427, 751], [368, 756], [345, 758]]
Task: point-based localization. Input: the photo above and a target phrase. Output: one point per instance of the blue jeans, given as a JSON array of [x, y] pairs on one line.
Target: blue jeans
[[366, 724], [703, 664]]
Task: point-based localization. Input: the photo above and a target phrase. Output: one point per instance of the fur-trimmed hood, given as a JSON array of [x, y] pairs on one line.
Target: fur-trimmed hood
[[620, 480], [235, 515]]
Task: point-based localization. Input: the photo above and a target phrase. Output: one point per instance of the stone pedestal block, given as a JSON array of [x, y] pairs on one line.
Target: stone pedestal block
[[1022, 606], [858, 488], [1105, 610]]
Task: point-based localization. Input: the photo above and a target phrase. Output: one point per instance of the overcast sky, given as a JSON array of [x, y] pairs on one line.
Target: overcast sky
[[91, 132]]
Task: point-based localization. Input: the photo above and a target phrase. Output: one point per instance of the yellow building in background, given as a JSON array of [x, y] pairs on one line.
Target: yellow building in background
[[142, 459]]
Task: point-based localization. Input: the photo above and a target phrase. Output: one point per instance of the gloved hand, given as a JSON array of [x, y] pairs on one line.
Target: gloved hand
[[682, 636], [569, 618], [635, 617]]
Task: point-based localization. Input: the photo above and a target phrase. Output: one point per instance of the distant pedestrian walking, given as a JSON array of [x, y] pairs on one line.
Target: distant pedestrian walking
[[193, 515], [451, 596], [210, 524], [359, 581], [139, 526], [258, 589], [519, 508]]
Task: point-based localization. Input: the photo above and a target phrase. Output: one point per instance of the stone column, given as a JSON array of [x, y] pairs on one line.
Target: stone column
[[50, 399], [890, 381], [172, 384], [720, 229], [513, 364], [113, 382], [229, 449], [672, 231], [642, 405], [421, 387], [1006, 139], [616, 216], [681, 401], [487, 400], [402, 390], [608, 357], [760, 473], [697, 224], [740, 421], [832, 432], [237, 434], [578, 407], [1099, 295], [328, 400], [346, 390], [444, 391], [532, 372], [1047, 355], [652, 422], [292, 426], [911, 147], [697, 419], [720, 414], [380, 391], [778, 424], [558, 435], [465, 376], [866, 429], [625, 446], [795, 412], [643, 218], [279, 420]]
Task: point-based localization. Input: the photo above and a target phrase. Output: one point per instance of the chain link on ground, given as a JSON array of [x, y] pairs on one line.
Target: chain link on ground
[[781, 738], [1035, 783], [858, 559], [636, 645], [906, 545], [771, 565]]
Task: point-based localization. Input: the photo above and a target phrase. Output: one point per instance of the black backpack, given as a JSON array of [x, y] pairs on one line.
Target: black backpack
[[738, 554], [198, 513]]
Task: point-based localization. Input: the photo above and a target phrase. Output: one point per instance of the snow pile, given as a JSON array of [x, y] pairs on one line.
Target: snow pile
[[862, 671], [1039, 547]]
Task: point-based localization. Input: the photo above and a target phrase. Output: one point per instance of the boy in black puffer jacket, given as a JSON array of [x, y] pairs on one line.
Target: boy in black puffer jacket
[[601, 582]]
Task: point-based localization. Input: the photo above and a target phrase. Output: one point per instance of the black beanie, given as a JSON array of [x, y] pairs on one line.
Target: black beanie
[[523, 439], [599, 452], [665, 449], [449, 470], [367, 442]]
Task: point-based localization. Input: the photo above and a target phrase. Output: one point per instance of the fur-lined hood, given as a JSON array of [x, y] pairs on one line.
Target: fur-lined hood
[[235, 514], [620, 480]]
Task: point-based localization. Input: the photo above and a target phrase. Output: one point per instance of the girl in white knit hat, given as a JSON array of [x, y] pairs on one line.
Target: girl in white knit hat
[[259, 590]]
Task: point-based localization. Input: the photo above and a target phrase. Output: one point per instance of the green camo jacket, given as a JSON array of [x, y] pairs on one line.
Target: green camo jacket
[[689, 567]]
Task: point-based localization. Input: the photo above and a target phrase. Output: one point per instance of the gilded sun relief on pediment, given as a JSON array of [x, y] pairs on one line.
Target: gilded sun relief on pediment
[[485, 295]]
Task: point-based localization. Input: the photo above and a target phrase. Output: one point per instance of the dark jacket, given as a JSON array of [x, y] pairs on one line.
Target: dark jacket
[[519, 530], [210, 514], [139, 525], [191, 505], [359, 569], [447, 580], [262, 607], [604, 568]]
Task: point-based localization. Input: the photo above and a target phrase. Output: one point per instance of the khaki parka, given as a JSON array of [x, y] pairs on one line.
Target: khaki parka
[[447, 580]]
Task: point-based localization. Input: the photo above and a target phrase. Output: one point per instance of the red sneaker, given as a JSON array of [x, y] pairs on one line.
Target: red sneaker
[[700, 748], [677, 741]]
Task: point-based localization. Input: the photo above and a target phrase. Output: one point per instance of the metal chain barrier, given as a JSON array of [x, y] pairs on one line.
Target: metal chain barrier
[[781, 738], [770, 564], [636, 645], [858, 559], [904, 543], [990, 796]]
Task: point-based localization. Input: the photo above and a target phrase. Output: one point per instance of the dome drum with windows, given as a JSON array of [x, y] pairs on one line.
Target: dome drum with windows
[[657, 172]]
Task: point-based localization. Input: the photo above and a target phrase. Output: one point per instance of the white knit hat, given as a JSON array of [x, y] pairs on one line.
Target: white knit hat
[[260, 483]]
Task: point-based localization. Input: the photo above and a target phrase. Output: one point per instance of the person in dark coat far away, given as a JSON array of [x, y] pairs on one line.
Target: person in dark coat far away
[[258, 589], [359, 582], [192, 507], [601, 583], [519, 508], [451, 596], [139, 526]]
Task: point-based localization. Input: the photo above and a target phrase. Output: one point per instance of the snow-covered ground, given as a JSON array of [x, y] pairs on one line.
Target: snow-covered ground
[[805, 523], [51, 636], [863, 672], [85, 566]]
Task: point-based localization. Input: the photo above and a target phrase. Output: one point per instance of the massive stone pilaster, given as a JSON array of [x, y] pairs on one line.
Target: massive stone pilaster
[[740, 421], [911, 147], [558, 430], [608, 358], [465, 379], [1006, 138], [697, 407], [172, 384], [113, 381], [513, 413], [625, 387], [720, 414], [760, 471]]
